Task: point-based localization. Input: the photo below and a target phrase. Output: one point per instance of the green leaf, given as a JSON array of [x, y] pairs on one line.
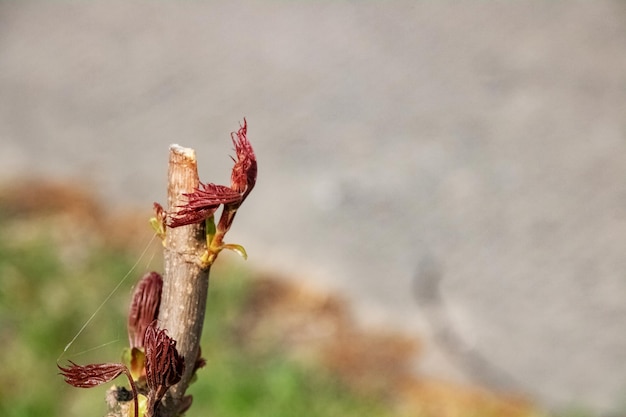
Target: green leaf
[[237, 248], [210, 230], [157, 226]]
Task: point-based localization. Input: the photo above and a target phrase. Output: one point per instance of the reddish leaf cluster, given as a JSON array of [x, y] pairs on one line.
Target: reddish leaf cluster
[[205, 200], [164, 366], [202, 203], [154, 358], [243, 177]]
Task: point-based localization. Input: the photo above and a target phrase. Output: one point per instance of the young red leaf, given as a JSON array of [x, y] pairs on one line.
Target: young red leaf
[[144, 307], [164, 366], [205, 200], [91, 375], [243, 176], [95, 374], [202, 203]]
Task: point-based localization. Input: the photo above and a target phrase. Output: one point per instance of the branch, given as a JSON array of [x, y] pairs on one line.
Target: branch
[[185, 283], [189, 220]]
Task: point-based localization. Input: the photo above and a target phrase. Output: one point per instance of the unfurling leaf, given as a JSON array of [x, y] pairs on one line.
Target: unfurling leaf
[[202, 203], [91, 375], [243, 176], [158, 222], [144, 307], [164, 366], [95, 374]]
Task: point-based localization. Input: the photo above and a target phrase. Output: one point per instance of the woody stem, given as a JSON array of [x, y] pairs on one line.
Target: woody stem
[[185, 282]]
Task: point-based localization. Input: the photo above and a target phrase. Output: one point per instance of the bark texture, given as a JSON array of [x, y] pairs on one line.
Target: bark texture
[[185, 283]]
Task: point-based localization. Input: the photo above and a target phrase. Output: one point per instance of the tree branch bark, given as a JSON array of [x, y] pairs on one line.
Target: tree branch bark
[[185, 283]]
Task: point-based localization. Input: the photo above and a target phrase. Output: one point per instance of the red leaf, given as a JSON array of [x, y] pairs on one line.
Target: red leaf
[[91, 375], [164, 366], [243, 177], [144, 307], [202, 203]]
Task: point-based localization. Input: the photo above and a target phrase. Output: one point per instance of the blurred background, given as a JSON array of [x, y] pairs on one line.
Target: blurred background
[[454, 171]]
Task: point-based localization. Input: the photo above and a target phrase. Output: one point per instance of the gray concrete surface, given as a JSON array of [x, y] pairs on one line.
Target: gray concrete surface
[[456, 170]]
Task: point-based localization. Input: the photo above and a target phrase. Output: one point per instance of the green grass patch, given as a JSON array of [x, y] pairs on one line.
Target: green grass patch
[[238, 382]]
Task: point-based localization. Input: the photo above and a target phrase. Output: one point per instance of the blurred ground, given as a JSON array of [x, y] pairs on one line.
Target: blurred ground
[[317, 327], [275, 318], [454, 170]]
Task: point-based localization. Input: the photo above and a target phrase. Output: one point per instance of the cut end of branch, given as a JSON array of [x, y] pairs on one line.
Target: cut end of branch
[[188, 153], [182, 175]]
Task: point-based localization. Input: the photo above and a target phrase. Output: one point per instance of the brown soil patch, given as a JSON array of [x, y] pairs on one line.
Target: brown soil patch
[[75, 212], [317, 327]]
